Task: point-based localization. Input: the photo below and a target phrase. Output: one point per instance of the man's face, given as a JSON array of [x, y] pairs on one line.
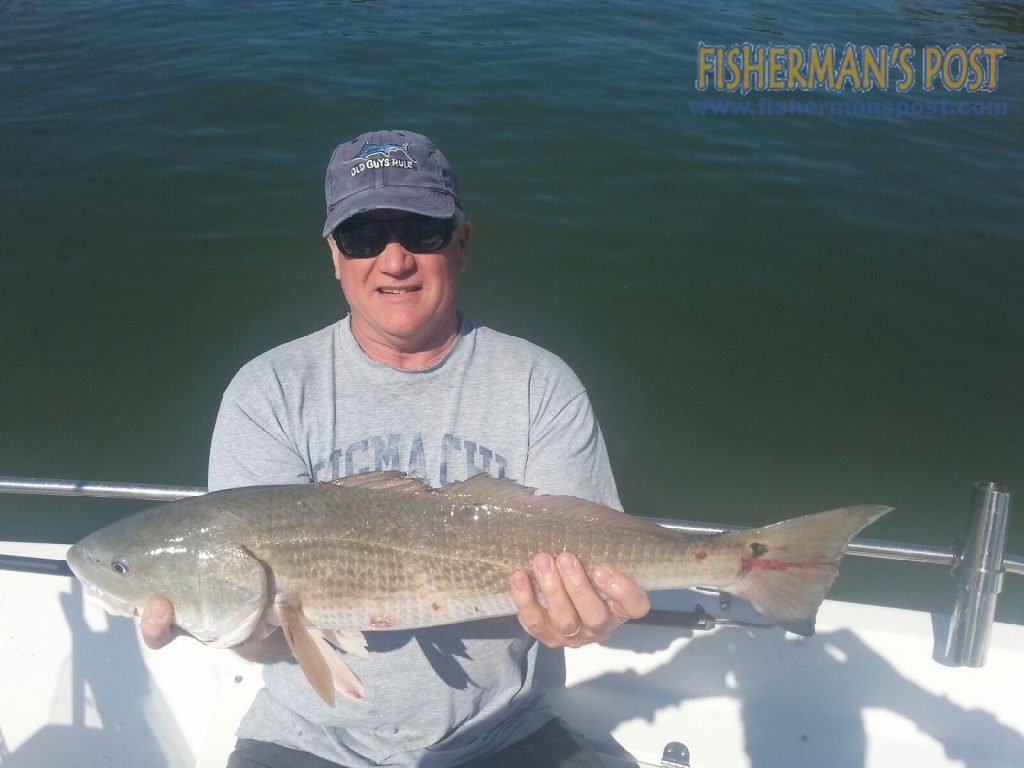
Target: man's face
[[400, 299]]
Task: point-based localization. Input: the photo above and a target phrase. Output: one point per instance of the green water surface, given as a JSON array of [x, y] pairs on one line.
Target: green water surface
[[773, 314]]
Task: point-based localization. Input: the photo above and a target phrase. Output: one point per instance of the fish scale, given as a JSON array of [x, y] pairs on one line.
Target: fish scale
[[457, 556]]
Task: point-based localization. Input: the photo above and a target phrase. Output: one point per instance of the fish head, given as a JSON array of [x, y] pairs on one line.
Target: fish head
[[191, 556]]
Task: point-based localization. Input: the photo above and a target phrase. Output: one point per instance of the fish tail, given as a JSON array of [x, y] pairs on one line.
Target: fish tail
[[786, 569]]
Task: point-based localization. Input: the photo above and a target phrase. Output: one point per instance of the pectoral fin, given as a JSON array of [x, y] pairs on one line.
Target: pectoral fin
[[306, 651], [348, 641], [346, 682]]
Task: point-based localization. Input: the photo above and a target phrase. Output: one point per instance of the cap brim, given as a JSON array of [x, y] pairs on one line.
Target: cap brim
[[426, 202]]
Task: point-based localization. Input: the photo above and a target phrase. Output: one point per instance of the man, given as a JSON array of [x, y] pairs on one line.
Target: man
[[405, 382]]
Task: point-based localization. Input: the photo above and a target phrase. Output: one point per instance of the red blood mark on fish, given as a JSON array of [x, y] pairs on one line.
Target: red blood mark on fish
[[757, 559], [701, 555], [382, 622], [435, 606]]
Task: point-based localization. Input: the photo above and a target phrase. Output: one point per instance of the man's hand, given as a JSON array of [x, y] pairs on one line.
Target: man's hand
[[576, 614], [158, 629]]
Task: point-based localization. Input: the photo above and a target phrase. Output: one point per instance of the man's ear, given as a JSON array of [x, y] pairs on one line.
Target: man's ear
[[336, 256]]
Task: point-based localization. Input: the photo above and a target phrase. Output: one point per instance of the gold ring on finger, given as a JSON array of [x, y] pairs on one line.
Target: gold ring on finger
[[579, 628]]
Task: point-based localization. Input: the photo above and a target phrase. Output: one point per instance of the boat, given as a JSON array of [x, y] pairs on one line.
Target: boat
[[700, 682]]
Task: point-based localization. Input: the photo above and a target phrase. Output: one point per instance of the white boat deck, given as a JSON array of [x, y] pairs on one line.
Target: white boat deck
[[79, 689]]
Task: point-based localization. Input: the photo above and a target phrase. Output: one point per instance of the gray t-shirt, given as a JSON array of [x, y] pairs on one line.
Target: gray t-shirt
[[317, 409]]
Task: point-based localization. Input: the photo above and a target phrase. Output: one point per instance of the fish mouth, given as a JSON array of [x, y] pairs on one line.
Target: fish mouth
[[112, 605]]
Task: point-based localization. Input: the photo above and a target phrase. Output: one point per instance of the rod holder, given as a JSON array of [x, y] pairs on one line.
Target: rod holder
[[979, 576]]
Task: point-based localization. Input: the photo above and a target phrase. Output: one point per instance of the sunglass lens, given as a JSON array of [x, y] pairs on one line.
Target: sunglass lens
[[361, 239], [423, 234]]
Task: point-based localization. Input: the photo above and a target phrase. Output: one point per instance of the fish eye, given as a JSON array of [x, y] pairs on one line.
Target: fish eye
[[119, 566]]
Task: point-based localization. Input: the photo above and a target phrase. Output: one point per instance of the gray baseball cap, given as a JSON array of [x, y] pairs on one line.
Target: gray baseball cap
[[401, 170]]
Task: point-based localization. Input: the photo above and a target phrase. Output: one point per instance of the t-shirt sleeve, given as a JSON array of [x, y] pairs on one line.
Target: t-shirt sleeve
[[567, 454], [251, 444]]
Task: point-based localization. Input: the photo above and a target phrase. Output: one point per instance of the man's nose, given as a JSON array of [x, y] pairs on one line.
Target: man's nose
[[395, 259]]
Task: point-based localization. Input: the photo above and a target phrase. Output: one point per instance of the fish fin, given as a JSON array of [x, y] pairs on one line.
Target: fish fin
[[387, 480], [346, 682], [787, 568], [348, 641], [306, 651], [244, 631], [480, 485], [484, 489], [483, 486]]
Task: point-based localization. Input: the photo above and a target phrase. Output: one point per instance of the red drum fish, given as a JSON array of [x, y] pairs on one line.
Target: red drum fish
[[383, 551]]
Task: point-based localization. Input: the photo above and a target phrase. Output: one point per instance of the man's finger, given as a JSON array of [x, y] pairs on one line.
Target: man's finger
[[587, 603], [532, 615], [626, 598], [155, 625], [562, 613]]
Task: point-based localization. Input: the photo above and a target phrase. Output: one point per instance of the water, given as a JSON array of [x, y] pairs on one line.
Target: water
[[773, 315]]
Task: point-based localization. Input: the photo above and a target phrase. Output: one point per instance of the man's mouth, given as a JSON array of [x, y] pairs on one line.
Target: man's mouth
[[396, 291]]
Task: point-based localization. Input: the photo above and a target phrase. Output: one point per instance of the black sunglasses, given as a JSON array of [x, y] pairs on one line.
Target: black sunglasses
[[365, 238]]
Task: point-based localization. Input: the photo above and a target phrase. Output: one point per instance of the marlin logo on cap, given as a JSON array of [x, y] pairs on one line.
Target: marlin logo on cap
[[382, 156], [384, 150]]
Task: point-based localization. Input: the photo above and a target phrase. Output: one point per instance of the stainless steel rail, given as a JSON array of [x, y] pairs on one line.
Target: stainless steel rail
[[46, 487], [980, 574], [980, 565]]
